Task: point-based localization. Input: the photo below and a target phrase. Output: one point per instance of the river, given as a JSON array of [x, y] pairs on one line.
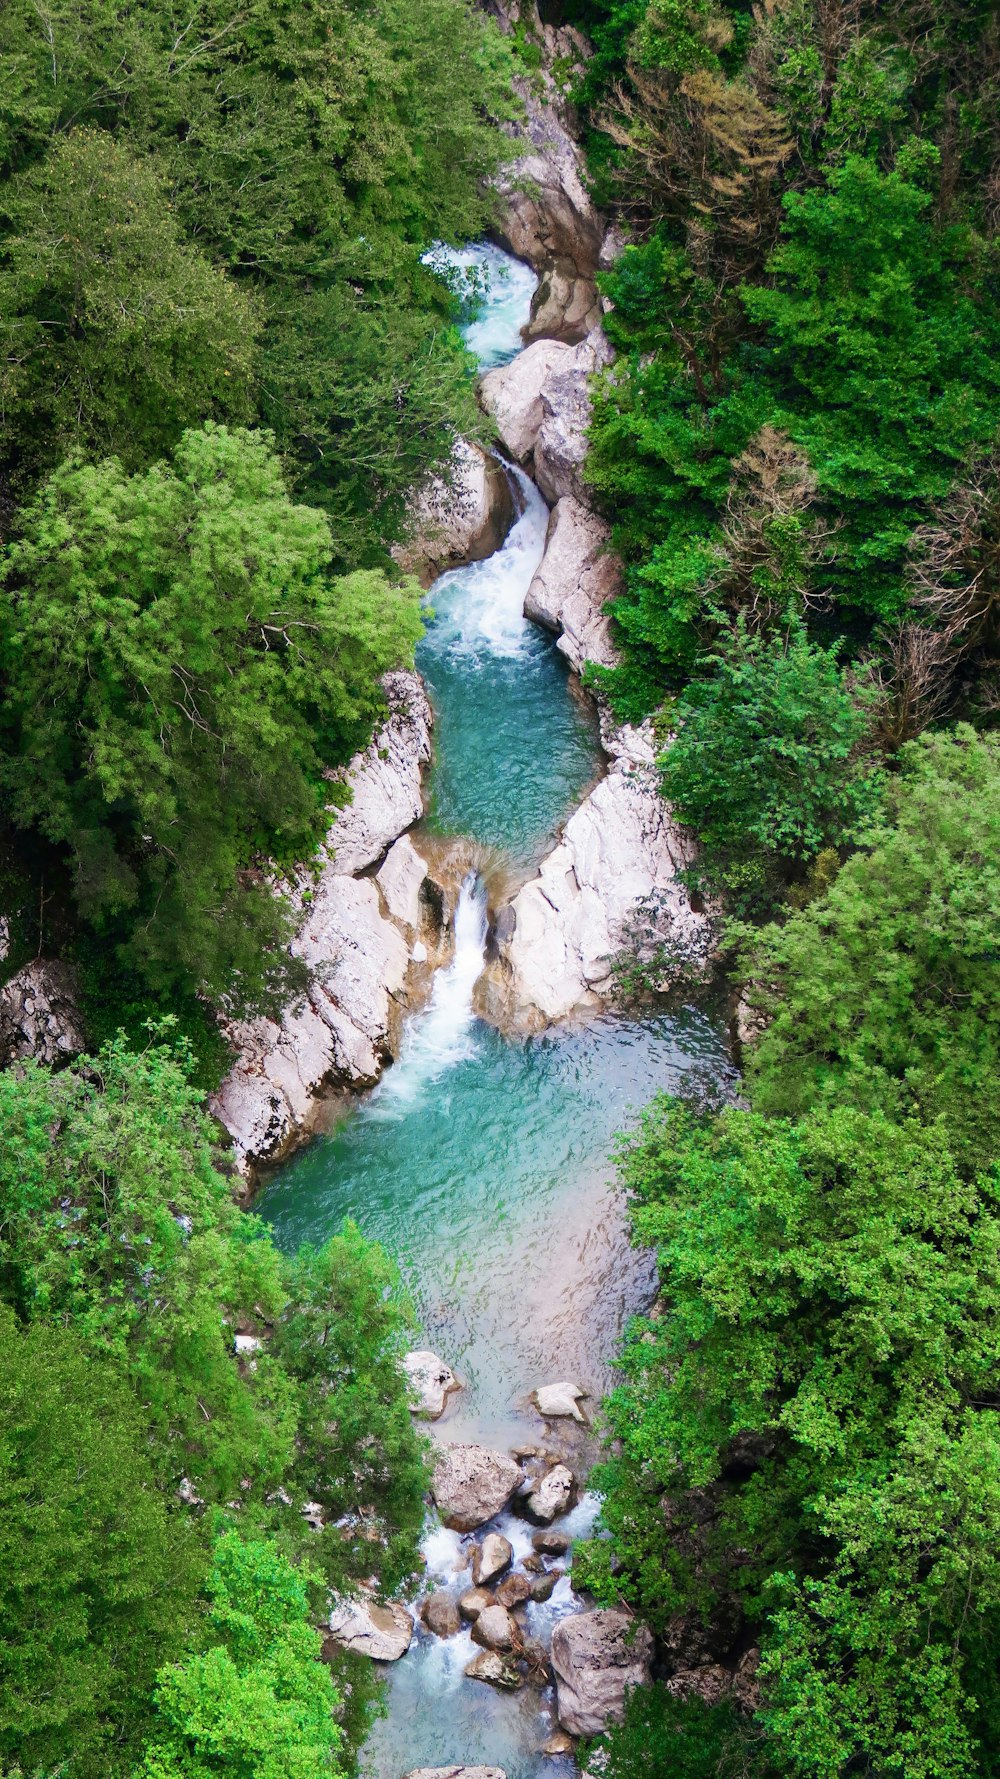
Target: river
[[482, 1162]]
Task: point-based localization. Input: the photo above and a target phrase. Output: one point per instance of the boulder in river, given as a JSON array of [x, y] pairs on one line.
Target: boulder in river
[[513, 394], [597, 1657], [474, 1601], [430, 1383], [552, 1543], [495, 1669], [472, 1484], [514, 1590], [560, 1401], [462, 516], [551, 1496], [440, 1614], [381, 1632], [491, 1558], [576, 577], [493, 1628]]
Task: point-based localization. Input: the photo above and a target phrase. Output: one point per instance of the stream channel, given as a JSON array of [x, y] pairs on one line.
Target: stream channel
[[483, 1162]]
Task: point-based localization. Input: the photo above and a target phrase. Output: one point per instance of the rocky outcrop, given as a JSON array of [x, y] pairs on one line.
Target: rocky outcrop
[[430, 1382], [512, 394], [472, 1484], [576, 577], [39, 1016], [461, 517], [381, 1632], [562, 931], [561, 440], [346, 1027], [597, 1657]]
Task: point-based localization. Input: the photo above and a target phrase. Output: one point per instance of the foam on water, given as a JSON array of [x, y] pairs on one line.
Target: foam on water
[[496, 290], [479, 609]]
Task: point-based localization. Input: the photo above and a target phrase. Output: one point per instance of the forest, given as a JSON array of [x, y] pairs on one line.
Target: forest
[[224, 366]]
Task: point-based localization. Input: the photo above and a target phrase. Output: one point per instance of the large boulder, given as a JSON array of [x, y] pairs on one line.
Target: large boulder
[[347, 1025], [430, 1382], [512, 394], [561, 443], [440, 1614], [550, 1496], [620, 852], [472, 1484], [597, 1657], [462, 516], [39, 1016], [494, 1628], [572, 584], [560, 1402], [381, 1632], [491, 1558]]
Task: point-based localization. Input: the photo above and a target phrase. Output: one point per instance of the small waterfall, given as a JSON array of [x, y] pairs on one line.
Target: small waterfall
[[442, 1034], [480, 607]]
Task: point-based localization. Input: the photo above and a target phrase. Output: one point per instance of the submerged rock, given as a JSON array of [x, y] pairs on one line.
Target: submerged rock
[[39, 1016], [496, 1670], [345, 1028], [491, 1558], [472, 1484], [559, 1743], [381, 1632], [461, 517], [597, 1657], [430, 1382]]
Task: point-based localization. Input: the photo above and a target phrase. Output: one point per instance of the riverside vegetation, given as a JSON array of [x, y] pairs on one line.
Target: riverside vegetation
[[223, 367]]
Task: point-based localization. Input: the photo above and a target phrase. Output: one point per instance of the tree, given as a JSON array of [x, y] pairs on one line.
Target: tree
[[98, 1579], [115, 332], [765, 761], [886, 992], [260, 1703], [809, 1431], [179, 670]]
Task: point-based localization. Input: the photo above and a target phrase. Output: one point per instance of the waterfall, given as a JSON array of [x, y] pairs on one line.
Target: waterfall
[[443, 1033], [479, 608]]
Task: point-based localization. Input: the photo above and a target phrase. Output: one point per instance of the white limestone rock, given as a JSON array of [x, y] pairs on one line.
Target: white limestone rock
[[560, 1402], [597, 1657], [472, 1484], [618, 849], [513, 394], [430, 1382], [551, 1496], [461, 517], [576, 577], [564, 398], [381, 1632], [385, 779], [400, 878]]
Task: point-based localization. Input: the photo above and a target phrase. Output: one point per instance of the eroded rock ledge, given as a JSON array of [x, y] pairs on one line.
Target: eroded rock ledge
[[357, 936]]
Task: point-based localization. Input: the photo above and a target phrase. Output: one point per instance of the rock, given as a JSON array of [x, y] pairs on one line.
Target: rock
[[400, 877], [461, 517], [551, 1496], [39, 1016], [381, 1632], [573, 582], [559, 1743], [245, 1345], [597, 1656], [536, 1656], [561, 442], [513, 394], [620, 852], [473, 1602], [456, 1773], [494, 1669], [514, 1590], [441, 1615], [565, 305], [554, 1544], [710, 1683], [494, 1628], [431, 1382], [544, 1586], [560, 1401], [472, 1484], [345, 1028], [491, 1558]]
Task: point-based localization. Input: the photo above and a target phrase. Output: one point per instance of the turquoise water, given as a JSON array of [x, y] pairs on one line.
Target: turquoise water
[[483, 1163]]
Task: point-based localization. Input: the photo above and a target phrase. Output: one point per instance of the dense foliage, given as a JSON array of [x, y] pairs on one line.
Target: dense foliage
[[129, 1267]]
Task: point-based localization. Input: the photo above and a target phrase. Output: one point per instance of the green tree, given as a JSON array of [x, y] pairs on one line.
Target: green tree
[[765, 761], [98, 1580], [260, 1703], [886, 992], [179, 669], [115, 332], [808, 1432]]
